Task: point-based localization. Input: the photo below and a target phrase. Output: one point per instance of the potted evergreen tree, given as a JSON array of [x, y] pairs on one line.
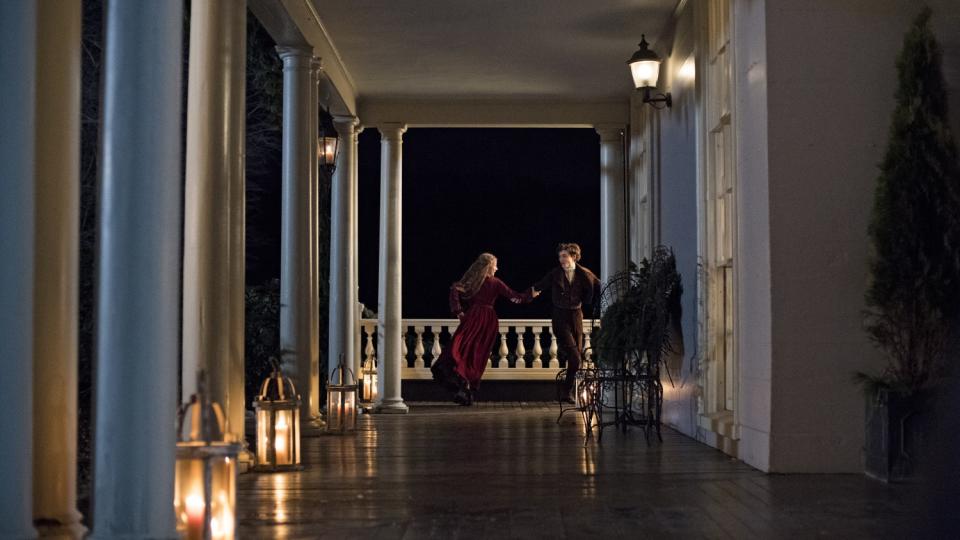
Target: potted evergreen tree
[[914, 293]]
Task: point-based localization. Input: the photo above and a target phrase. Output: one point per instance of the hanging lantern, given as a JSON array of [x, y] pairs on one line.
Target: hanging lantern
[[327, 143], [369, 380], [341, 400], [278, 424], [206, 472]]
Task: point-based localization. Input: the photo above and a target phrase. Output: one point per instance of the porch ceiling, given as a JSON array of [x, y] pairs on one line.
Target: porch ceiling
[[490, 50]]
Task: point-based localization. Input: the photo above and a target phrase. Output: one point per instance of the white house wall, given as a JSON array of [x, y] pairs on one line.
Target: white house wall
[[830, 84], [674, 159], [814, 85]]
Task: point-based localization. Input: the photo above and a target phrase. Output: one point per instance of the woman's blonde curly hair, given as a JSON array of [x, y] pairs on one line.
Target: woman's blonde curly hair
[[473, 278]]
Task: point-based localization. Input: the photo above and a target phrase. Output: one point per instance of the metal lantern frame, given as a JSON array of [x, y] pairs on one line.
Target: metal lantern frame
[[278, 424], [341, 400], [205, 491]]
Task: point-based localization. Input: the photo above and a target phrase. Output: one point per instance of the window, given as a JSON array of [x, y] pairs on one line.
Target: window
[[718, 204]]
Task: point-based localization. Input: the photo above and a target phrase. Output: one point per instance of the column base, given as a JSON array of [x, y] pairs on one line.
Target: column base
[[245, 460], [67, 529], [391, 406], [313, 427]]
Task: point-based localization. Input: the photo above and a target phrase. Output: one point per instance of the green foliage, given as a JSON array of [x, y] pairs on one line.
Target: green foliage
[[262, 335], [642, 311], [914, 292]]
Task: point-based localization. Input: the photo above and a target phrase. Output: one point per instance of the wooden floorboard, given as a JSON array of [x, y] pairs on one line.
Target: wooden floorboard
[[509, 470]]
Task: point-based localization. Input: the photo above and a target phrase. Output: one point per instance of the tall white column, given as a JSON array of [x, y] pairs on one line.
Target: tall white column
[[138, 281], [613, 248], [342, 195], [213, 224], [354, 243], [314, 116], [18, 41], [56, 270], [295, 231], [390, 323], [235, 26]]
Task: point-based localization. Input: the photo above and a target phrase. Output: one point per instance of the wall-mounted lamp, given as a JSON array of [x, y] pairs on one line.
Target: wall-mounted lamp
[[327, 144], [645, 68]]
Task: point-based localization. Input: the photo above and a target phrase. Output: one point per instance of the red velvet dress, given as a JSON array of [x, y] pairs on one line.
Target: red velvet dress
[[472, 342]]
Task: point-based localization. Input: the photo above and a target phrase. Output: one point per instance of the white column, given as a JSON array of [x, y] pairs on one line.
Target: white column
[[355, 237], [613, 249], [213, 224], [342, 308], [390, 301], [313, 115], [56, 270], [18, 41], [295, 234], [235, 30], [355, 246], [138, 281]]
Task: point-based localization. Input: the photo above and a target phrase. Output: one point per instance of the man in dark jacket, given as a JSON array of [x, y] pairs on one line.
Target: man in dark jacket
[[571, 286]]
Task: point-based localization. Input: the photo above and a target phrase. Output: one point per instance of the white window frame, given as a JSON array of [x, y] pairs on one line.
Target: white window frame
[[716, 202]]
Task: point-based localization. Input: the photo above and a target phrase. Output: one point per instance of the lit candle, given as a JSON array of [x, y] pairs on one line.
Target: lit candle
[[221, 524], [280, 441], [195, 508]]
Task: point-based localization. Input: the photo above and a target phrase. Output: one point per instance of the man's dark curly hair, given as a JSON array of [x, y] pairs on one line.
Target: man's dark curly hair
[[570, 248]]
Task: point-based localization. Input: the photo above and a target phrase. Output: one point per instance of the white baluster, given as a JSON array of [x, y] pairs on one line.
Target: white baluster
[[588, 354], [554, 363], [435, 349], [418, 350], [403, 347], [503, 348], [521, 351], [537, 349], [369, 352]]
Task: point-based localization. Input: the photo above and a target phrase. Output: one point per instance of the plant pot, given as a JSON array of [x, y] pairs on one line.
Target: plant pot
[[894, 435]]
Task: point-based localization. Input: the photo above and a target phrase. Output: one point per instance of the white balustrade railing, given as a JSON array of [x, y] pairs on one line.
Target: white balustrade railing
[[518, 350]]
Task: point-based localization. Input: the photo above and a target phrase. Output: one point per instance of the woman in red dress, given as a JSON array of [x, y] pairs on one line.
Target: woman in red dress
[[462, 363]]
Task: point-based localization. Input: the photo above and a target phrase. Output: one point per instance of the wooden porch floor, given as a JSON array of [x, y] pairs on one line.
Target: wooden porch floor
[[505, 470]]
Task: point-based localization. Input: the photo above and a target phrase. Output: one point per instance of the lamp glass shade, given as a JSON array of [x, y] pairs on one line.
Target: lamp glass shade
[[205, 473], [341, 400], [341, 408], [327, 150], [369, 378], [645, 73], [278, 424], [205, 510]]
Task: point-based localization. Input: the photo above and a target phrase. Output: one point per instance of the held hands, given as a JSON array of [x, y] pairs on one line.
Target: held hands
[[534, 294]]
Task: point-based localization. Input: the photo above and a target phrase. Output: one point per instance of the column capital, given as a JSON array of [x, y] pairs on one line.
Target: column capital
[[610, 132], [392, 131], [345, 125], [316, 63], [295, 57]]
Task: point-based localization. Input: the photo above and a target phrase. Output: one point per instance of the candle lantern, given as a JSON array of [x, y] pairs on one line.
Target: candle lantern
[[278, 424], [341, 400], [206, 472], [369, 380]]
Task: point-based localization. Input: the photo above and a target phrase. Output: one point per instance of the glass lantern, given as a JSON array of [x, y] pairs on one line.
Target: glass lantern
[[341, 400], [278, 424], [644, 66], [369, 379], [206, 473], [327, 151]]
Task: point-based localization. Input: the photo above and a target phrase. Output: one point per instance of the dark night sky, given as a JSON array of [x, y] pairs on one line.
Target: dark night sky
[[516, 193]]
